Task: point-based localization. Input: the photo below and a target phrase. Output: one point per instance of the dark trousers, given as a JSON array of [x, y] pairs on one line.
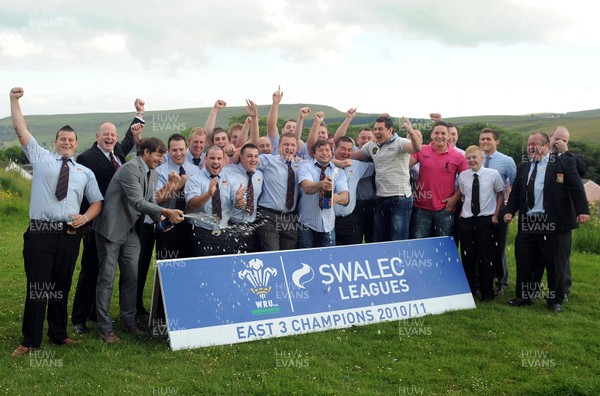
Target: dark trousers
[[535, 252], [212, 242], [147, 246], [499, 246], [365, 212], [278, 230], [566, 253], [347, 231], [174, 243], [476, 252], [84, 302], [50, 256]]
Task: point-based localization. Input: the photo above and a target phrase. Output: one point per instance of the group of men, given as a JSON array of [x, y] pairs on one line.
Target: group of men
[[246, 193]]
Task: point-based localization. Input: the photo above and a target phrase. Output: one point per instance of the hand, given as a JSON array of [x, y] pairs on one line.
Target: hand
[[435, 117], [277, 95], [248, 121], [212, 187], [251, 108], [229, 150], [583, 218], [139, 105], [77, 221], [561, 146], [182, 180], [326, 184], [304, 112], [494, 219], [450, 204], [175, 215], [319, 117], [351, 113], [137, 129], [240, 196], [219, 104], [174, 178], [508, 218], [406, 123], [16, 93]]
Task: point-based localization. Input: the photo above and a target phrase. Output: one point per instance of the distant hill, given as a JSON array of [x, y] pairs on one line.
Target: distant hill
[[584, 125]]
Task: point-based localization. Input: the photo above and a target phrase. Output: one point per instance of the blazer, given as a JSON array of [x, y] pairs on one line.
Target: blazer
[[564, 196], [129, 196], [103, 169]]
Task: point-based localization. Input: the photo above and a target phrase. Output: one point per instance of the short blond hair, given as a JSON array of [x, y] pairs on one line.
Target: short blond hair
[[197, 131], [474, 149]]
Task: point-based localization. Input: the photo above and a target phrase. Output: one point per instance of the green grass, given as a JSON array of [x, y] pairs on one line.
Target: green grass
[[477, 351]]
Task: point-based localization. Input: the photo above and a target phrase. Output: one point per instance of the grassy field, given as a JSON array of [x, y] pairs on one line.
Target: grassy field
[[491, 350]]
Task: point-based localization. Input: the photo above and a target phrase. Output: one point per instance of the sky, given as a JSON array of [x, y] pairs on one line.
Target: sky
[[403, 57]]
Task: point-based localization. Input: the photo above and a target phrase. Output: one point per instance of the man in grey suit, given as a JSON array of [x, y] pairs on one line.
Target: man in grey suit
[[130, 196]]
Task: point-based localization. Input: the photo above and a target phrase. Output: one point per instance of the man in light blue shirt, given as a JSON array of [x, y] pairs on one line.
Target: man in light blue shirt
[[51, 243], [489, 139], [211, 197], [347, 228], [315, 178], [243, 219]]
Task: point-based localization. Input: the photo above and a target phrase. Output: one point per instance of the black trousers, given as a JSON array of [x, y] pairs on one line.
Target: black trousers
[[365, 212], [535, 252], [278, 230], [49, 255], [477, 255], [84, 302], [213, 242], [500, 234], [347, 230], [147, 246], [173, 244]]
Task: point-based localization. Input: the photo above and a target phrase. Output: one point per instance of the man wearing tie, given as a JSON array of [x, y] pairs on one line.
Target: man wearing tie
[[277, 203], [549, 196], [212, 196], [130, 196], [482, 188], [104, 158], [51, 243], [244, 219]]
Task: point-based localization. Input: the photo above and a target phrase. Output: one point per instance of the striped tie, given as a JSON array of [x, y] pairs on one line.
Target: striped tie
[[63, 180]]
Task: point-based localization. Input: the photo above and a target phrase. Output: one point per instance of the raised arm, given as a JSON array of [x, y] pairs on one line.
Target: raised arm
[[16, 115], [252, 111], [272, 129], [343, 128], [211, 121], [314, 131], [305, 111], [415, 137]]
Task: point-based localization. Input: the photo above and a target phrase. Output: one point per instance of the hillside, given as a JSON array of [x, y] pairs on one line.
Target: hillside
[[583, 124]]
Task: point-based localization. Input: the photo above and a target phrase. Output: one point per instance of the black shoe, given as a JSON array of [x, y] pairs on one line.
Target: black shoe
[[80, 329], [556, 307], [518, 302], [142, 312]]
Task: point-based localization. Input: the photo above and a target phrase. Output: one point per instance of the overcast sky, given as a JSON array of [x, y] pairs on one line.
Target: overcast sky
[[404, 57]]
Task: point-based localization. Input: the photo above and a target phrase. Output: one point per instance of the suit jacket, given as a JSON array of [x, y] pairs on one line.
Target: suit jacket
[[103, 169], [564, 196], [129, 196], [581, 166]]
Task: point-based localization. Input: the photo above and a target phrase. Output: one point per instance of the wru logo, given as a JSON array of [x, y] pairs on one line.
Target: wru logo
[[258, 277]]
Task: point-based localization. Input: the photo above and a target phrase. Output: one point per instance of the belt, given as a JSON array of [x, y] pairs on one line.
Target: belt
[[51, 226], [274, 211]]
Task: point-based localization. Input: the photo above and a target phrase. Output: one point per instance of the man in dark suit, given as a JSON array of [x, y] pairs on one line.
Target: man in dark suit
[[130, 196], [104, 158], [549, 196]]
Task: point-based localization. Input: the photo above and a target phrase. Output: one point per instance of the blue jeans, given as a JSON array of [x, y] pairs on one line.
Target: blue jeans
[[309, 238], [392, 218], [428, 223]]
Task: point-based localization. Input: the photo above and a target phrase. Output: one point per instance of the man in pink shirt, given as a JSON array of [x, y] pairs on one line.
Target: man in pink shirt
[[436, 197]]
